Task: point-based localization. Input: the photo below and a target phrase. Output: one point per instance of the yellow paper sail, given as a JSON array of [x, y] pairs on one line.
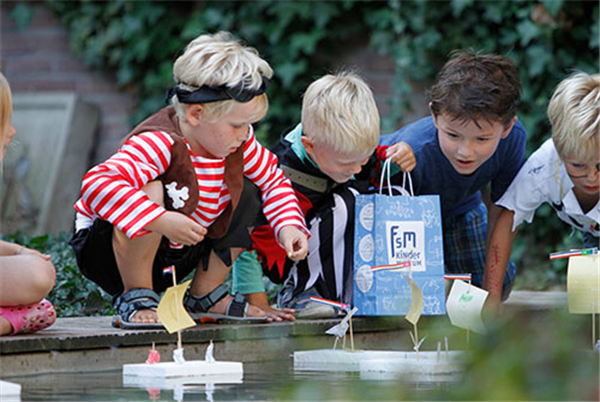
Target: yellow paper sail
[[171, 312], [583, 284], [416, 305]]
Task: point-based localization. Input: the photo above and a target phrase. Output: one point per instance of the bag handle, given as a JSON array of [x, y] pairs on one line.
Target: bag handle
[[386, 175]]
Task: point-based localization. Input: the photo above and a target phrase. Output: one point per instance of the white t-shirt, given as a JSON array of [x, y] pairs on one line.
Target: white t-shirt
[[544, 178]]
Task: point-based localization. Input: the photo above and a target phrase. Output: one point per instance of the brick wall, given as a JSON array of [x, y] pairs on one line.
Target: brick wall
[[38, 59], [378, 71]]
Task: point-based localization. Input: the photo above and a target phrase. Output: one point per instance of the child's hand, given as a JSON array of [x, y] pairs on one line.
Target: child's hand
[[24, 250], [294, 241], [259, 300], [402, 155], [178, 228], [492, 307], [277, 315]]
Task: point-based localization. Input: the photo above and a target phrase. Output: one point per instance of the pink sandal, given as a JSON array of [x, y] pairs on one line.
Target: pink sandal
[[29, 318]]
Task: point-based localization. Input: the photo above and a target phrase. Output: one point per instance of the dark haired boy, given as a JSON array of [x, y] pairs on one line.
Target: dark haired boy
[[471, 140]]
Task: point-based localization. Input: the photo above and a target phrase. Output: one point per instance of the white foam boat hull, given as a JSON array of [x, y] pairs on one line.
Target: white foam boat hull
[[9, 391], [395, 362], [194, 368]]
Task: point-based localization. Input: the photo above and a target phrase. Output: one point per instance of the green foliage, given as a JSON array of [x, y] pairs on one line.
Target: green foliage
[[22, 15], [526, 356], [532, 356], [302, 40], [73, 295]]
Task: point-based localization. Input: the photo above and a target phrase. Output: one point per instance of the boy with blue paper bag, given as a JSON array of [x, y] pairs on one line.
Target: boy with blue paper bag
[[327, 157], [398, 253], [472, 140]]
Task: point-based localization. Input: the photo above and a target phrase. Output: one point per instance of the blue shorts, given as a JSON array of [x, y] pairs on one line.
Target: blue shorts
[[465, 247]]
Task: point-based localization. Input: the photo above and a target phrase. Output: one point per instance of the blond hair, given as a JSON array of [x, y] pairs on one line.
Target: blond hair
[[5, 111], [574, 111], [216, 60], [339, 112]]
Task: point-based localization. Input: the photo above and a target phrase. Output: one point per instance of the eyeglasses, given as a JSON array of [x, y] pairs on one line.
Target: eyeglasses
[[207, 93]]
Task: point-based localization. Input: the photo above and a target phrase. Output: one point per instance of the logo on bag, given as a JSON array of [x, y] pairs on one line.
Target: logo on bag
[[406, 241]]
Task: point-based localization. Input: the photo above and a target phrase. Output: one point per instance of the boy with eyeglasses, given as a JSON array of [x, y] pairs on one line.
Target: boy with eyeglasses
[[564, 172], [171, 193]]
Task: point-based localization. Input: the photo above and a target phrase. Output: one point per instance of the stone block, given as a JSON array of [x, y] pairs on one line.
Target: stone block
[[43, 169]]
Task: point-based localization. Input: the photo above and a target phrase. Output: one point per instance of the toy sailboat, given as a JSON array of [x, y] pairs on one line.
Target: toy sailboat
[[175, 318], [375, 362], [583, 284], [465, 304], [419, 365]]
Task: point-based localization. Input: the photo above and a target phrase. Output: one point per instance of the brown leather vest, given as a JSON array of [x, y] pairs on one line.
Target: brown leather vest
[[181, 170]]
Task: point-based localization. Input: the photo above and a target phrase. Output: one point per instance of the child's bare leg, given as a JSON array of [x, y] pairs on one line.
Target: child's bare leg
[[206, 281], [25, 279], [5, 327], [135, 257]]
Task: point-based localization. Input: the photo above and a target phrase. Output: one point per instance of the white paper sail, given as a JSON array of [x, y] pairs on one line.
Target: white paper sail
[[208, 356], [340, 329], [583, 284], [464, 305]]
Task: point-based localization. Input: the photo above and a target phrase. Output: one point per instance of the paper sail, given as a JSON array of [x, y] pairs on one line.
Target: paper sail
[[208, 356], [416, 304], [171, 312], [464, 306], [340, 329], [583, 284]]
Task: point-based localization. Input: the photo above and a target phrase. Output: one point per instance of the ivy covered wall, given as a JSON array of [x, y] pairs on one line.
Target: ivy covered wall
[[139, 40], [303, 39]]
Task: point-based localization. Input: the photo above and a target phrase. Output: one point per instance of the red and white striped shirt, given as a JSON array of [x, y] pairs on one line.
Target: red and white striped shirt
[[111, 190]]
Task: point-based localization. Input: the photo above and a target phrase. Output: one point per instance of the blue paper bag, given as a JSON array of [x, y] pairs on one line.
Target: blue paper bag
[[389, 231]]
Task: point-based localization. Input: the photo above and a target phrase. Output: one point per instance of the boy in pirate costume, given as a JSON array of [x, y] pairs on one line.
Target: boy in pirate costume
[[169, 196]]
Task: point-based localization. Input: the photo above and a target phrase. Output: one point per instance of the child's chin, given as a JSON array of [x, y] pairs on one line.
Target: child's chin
[[342, 180]]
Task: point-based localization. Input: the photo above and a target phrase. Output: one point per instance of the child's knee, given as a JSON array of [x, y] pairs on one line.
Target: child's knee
[[44, 279]]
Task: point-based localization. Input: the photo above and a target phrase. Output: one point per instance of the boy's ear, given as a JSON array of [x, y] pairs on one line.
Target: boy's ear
[[309, 146], [193, 113], [510, 126], [433, 115]]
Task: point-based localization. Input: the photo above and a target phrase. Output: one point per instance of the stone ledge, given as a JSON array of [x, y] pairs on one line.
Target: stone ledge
[[537, 300], [86, 333]]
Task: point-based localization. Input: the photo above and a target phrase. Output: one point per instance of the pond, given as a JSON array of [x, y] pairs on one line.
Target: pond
[[546, 356], [265, 381]]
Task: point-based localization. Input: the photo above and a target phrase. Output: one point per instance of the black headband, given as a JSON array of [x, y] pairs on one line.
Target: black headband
[[207, 93]]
